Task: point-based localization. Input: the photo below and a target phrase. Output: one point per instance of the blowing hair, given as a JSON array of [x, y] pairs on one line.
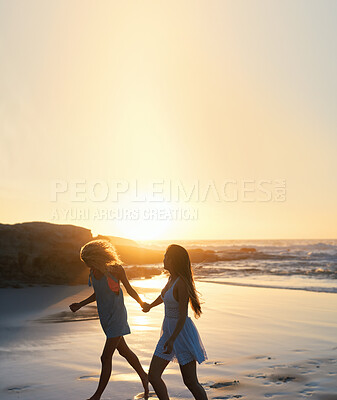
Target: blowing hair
[[182, 267], [100, 254]]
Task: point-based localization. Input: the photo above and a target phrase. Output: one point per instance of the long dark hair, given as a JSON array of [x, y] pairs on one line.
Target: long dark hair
[[182, 267]]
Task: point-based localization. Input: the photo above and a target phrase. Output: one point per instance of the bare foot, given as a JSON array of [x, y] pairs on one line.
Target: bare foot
[[145, 382]]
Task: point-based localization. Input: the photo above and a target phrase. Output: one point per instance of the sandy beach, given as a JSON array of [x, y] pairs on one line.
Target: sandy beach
[[261, 343], [195, 139]]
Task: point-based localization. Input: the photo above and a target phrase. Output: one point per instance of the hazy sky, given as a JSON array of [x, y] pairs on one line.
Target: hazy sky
[[175, 92]]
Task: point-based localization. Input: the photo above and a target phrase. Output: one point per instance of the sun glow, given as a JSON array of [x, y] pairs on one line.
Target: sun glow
[[205, 108], [143, 230], [144, 220]]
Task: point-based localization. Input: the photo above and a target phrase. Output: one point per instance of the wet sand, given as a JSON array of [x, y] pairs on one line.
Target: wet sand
[[261, 343]]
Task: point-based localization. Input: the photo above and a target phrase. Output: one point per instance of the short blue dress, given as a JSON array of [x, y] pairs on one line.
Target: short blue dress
[[188, 345], [110, 306]]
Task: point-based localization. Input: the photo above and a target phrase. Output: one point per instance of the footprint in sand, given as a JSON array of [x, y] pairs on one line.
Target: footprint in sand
[[277, 366], [259, 376], [282, 379], [259, 357], [214, 362], [269, 395], [307, 372], [19, 389], [234, 396], [313, 362], [219, 385], [313, 384], [89, 377], [307, 392]]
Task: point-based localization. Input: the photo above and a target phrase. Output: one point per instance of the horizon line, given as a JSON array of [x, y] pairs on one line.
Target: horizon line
[[170, 239]]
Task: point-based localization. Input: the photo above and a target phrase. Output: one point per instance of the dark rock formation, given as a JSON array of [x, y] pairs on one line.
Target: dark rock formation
[[40, 252], [45, 253]]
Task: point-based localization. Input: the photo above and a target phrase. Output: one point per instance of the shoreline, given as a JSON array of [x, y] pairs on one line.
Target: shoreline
[[313, 289]]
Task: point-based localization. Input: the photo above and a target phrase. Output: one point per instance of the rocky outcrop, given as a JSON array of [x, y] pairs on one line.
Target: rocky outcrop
[[45, 253], [40, 252]]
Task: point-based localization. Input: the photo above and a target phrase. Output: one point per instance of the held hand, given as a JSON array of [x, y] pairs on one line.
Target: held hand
[[168, 346], [146, 307], [75, 307]]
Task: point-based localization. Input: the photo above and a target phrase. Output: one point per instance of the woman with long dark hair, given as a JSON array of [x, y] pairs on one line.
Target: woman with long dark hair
[[179, 340]]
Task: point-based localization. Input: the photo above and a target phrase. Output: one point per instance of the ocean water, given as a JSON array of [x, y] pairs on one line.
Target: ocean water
[[285, 264]]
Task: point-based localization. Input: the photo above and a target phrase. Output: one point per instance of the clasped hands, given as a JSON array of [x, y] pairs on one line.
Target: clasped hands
[[146, 307]]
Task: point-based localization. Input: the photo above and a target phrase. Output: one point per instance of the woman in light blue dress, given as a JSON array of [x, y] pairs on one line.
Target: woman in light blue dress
[[179, 339], [105, 274], [110, 305]]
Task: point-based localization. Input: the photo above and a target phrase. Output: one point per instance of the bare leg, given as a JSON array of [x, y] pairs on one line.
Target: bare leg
[[125, 351], [189, 373], [157, 367], [106, 359]]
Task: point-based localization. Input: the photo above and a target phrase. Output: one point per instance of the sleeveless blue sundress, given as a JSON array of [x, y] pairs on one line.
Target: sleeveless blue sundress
[[188, 345], [110, 306]]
